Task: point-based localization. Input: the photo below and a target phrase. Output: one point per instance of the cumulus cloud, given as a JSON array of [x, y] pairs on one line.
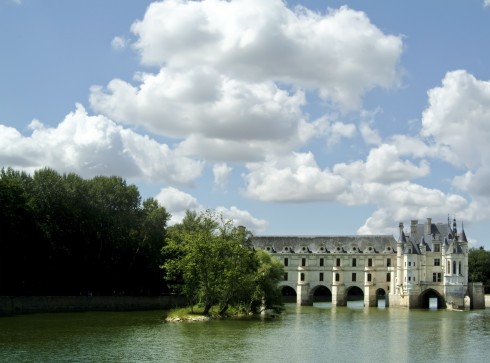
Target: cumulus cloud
[[232, 82], [177, 202], [221, 172], [95, 145], [295, 178], [265, 40], [458, 116], [208, 111], [383, 165]]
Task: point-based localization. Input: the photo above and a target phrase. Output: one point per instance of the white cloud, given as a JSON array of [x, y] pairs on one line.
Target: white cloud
[[177, 202], [486, 3], [119, 43], [221, 172], [219, 118], [369, 135], [383, 165], [264, 40], [295, 178], [458, 119], [94, 145], [243, 218]]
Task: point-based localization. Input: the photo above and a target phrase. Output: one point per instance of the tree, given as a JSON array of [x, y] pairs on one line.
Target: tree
[[211, 261], [479, 267]]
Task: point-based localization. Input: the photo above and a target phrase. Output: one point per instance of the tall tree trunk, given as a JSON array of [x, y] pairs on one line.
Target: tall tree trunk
[[207, 307]]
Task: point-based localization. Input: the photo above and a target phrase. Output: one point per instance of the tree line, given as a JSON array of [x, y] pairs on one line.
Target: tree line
[[61, 234], [64, 235]]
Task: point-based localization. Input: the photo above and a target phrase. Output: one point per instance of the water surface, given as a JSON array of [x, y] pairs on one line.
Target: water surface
[[303, 334]]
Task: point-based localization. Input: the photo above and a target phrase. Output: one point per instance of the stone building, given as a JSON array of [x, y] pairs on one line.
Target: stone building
[[426, 265]]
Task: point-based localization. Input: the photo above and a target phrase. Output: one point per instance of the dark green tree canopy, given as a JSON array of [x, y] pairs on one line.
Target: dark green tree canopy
[[62, 234]]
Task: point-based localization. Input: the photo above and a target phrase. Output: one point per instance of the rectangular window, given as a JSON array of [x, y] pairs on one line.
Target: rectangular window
[[302, 276], [303, 262], [439, 277], [370, 262], [337, 262], [388, 262], [409, 263], [409, 278], [369, 277], [337, 277], [388, 277], [321, 276], [434, 277], [437, 262], [285, 276], [286, 262], [354, 276], [437, 247], [321, 261], [354, 262]]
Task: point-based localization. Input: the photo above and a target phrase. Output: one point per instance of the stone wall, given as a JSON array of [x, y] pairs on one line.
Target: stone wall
[[48, 304], [477, 295]]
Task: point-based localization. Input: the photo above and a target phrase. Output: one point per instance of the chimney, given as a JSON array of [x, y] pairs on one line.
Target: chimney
[[429, 226], [413, 228]]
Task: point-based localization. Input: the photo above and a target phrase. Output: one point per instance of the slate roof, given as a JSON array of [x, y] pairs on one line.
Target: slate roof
[[326, 244]]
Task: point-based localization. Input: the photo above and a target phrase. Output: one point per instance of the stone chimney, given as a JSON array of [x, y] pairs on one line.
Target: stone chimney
[[428, 229], [413, 228]]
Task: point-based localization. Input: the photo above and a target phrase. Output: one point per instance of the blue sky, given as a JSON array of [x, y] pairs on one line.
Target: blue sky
[[298, 117]]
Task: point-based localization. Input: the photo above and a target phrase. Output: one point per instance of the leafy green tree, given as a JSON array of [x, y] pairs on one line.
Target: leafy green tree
[[214, 264], [479, 266]]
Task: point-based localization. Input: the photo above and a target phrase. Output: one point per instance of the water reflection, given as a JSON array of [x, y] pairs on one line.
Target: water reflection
[[303, 334]]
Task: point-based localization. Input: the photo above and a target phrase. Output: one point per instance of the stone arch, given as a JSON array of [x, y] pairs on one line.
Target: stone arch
[[428, 296], [381, 298], [320, 293], [354, 293], [288, 294]]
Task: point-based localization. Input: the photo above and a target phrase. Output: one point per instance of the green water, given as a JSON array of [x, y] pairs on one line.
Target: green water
[[303, 334]]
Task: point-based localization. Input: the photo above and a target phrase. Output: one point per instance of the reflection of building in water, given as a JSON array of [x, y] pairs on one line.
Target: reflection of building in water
[[428, 262]]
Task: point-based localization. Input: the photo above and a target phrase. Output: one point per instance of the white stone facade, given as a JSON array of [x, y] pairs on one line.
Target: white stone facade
[[427, 263]]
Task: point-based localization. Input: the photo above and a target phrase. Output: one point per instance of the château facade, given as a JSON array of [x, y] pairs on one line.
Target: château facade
[[428, 263]]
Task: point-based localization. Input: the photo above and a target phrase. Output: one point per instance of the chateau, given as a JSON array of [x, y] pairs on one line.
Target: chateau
[[427, 265]]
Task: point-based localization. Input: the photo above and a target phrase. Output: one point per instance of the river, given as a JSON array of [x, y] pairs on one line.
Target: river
[[321, 333]]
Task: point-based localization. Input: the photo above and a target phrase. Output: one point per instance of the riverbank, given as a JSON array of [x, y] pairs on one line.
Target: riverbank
[[11, 305]]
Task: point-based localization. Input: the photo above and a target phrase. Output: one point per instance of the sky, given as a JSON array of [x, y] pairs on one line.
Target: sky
[[308, 117]]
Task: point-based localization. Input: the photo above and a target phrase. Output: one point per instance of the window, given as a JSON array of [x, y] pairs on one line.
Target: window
[[409, 278], [388, 277], [337, 277], [437, 262], [454, 267], [321, 276], [337, 262], [459, 268], [354, 262], [388, 262], [437, 247], [286, 262], [354, 276], [448, 270], [436, 277], [285, 276], [409, 263], [303, 262], [370, 261], [302, 276], [321, 261], [369, 277]]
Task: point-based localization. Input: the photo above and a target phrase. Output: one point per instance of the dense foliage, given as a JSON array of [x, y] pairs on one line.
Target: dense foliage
[[61, 234], [212, 262], [479, 267]]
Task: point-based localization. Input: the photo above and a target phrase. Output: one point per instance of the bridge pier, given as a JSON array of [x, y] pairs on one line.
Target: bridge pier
[[303, 294], [338, 295]]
